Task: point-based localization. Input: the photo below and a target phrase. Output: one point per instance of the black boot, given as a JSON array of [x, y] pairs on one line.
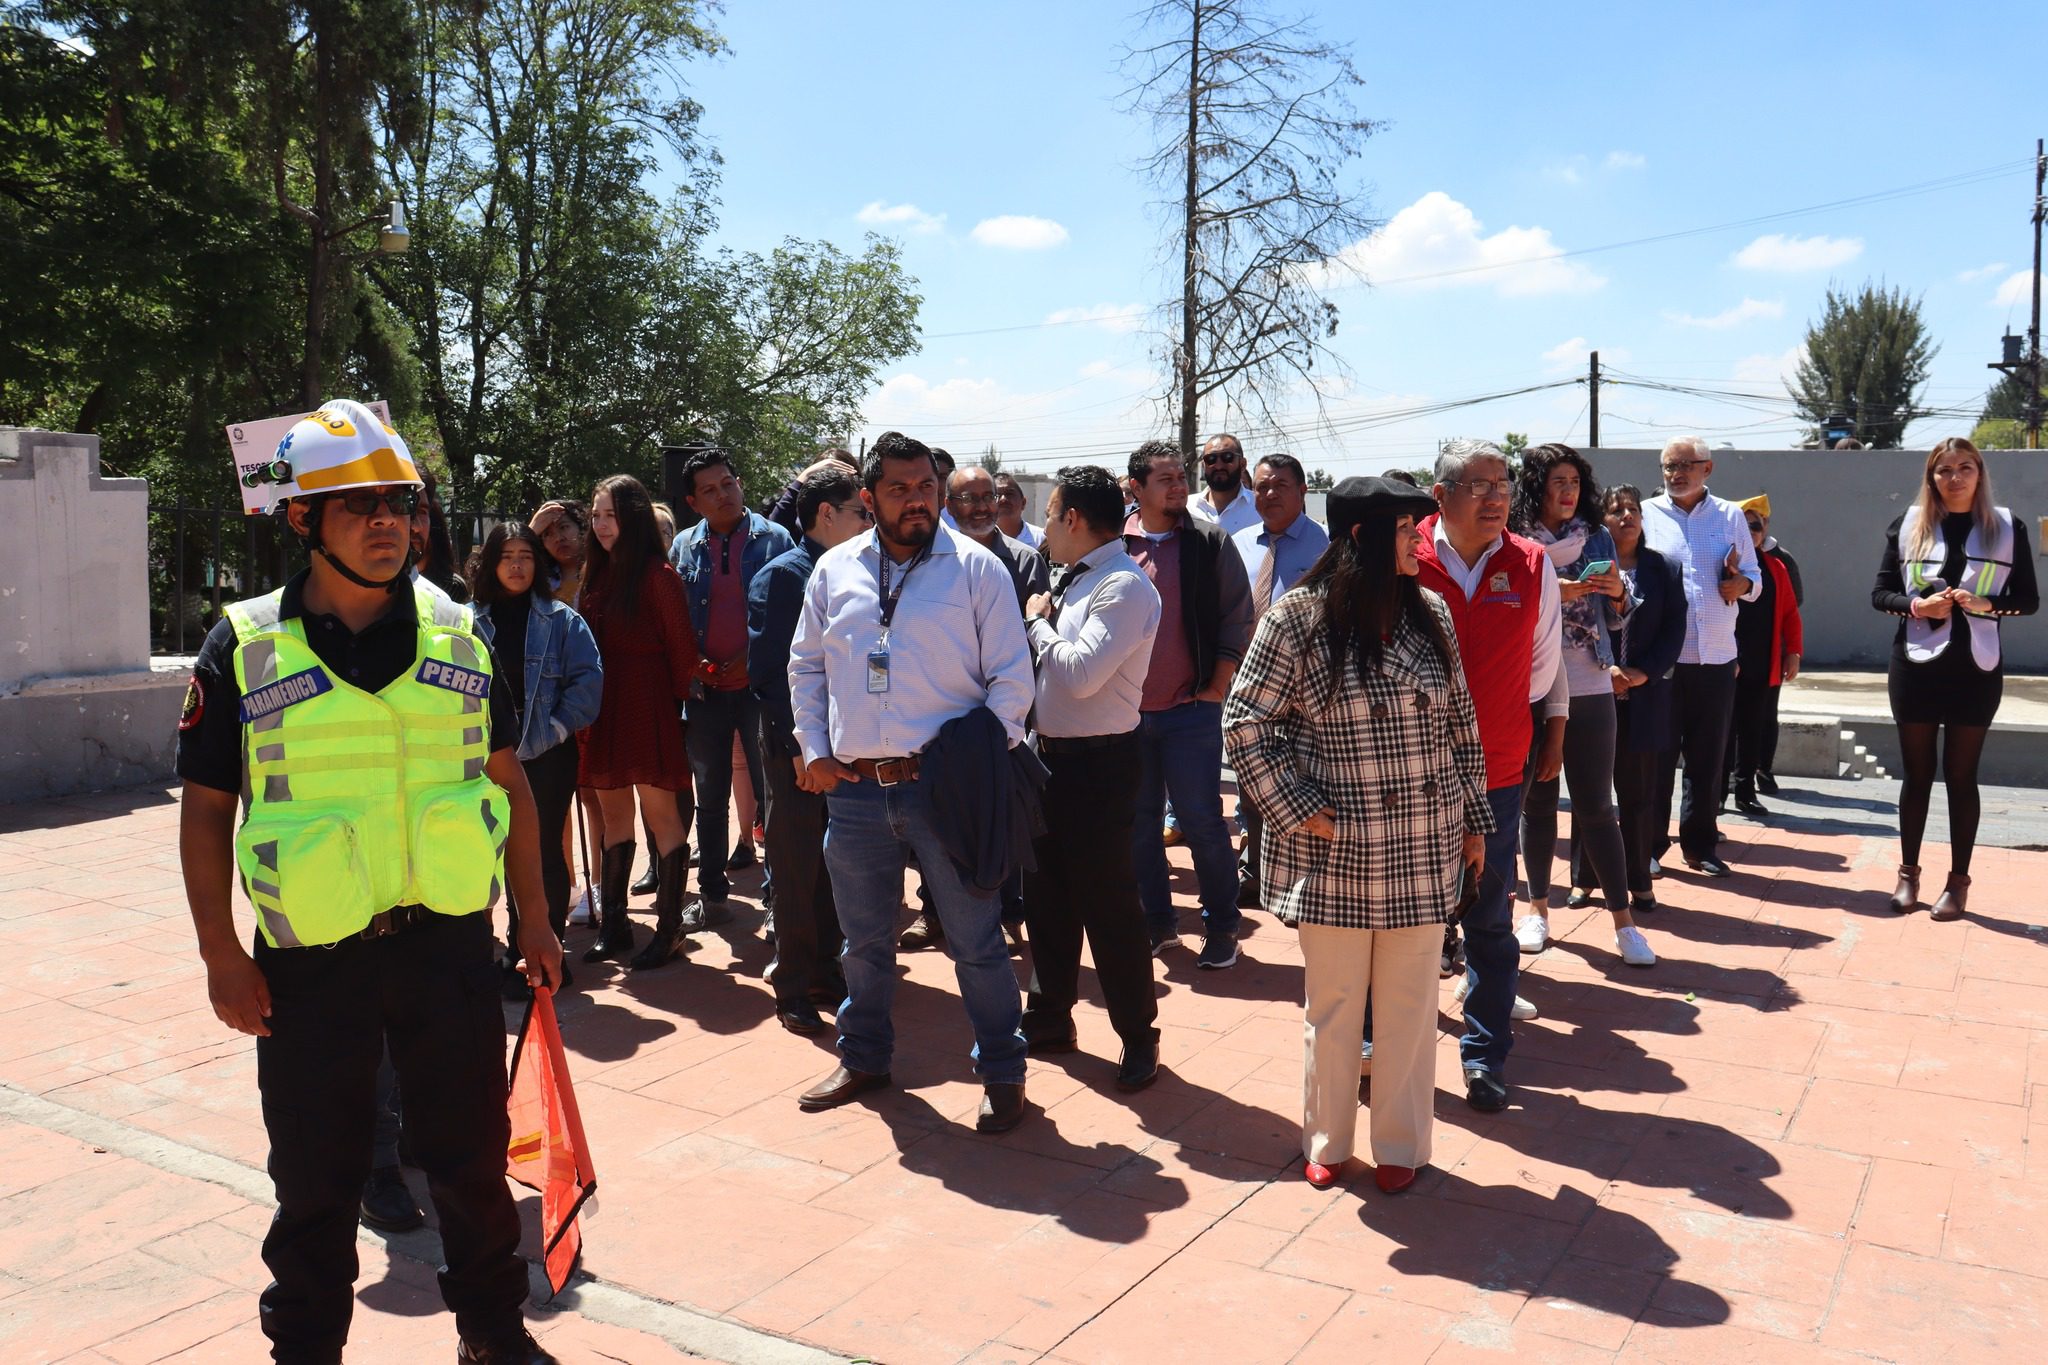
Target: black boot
[[614, 930], [650, 880], [668, 940]]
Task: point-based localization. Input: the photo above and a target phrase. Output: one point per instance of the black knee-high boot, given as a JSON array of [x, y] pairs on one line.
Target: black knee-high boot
[[668, 940], [614, 930]]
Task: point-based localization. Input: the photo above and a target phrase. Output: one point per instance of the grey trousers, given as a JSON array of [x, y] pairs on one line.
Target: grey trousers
[[1589, 772]]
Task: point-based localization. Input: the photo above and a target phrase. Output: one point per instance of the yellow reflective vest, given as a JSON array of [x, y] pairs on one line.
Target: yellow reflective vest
[[356, 802]]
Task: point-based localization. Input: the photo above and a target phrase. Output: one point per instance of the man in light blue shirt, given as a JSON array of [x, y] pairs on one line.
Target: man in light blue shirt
[[1277, 550], [1708, 539], [903, 630]]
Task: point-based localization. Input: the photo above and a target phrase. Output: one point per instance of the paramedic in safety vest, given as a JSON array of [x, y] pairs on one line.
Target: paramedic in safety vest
[[355, 715]]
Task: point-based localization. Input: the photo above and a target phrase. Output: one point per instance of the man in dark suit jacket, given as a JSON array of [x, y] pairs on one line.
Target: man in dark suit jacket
[[807, 938]]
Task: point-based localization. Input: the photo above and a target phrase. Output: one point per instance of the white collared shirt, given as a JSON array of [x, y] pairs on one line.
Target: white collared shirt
[[1240, 512], [956, 643], [1092, 663], [1547, 649], [1698, 542]]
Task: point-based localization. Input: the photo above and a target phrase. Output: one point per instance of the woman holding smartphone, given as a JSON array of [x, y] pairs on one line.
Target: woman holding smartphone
[[1557, 504], [1954, 562]]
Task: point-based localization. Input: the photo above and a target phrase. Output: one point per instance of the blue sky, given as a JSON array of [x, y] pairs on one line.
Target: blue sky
[[991, 141]]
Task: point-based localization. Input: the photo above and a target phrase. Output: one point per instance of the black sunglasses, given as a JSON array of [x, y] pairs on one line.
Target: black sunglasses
[[364, 502]]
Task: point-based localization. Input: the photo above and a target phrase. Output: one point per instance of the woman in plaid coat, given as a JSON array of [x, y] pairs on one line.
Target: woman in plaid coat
[[1350, 728]]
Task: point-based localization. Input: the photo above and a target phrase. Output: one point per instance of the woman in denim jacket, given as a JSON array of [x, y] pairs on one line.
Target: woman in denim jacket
[[548, 658], [1557, 504]]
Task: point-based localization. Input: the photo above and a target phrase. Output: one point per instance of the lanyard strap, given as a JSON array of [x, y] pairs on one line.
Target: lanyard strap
[[889, 599]]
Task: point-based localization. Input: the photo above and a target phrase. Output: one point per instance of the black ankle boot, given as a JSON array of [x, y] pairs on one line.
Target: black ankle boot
[[668, 940], [614, 930]]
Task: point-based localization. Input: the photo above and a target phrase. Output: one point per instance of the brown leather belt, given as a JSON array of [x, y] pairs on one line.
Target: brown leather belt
[[888, 772]]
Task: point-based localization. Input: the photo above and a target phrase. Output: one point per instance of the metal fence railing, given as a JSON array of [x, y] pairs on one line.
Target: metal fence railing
[[203, 557]]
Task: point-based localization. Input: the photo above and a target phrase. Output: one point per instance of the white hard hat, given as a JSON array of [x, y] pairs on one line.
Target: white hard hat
[[343, 445]]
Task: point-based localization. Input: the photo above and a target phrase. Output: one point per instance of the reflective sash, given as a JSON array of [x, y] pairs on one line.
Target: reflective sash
[[1985, 569], [354, 801]]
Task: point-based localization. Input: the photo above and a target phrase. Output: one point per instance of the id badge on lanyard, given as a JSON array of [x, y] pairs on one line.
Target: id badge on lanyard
[[878, 665], [878, 657]]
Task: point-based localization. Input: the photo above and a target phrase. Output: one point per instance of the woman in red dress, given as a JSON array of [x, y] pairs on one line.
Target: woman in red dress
[[634, 604]]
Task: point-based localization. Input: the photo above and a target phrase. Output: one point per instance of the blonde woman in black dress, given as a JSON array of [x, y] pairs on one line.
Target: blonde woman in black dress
[[1954, 563]]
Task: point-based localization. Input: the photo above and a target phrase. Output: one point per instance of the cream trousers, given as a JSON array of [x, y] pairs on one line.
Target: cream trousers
[[1399, 966]]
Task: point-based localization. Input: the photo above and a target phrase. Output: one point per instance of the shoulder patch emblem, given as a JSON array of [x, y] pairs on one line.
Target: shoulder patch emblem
[[468, 681], [195, 704], [274, 697]]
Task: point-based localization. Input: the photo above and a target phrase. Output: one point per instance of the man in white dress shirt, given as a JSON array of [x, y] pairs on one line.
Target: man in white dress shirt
[[903, 630], [1092, 638], [1227, 499], [1708, 539]]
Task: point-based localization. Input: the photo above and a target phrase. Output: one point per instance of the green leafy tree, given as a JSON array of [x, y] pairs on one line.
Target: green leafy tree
[[1514, 443], [1320, 481], [2001, 425], [1866, 358]]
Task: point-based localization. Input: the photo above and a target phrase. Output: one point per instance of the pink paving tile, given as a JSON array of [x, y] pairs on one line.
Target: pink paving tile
[[1863, 1046], [1423, 1249], [1762, 1124], [1900, 1307], [54, 1230], [183, 1330], [1739, 1308], [1491, 1343], [969, 1190], [36, 1156], [1522, 1163], [1589, 1302], [1238, 1314], [1963, 1135], [220, 1250], [1905, 1207], [1712, 1250], [1973, 1061], [96, 1303], [1371, 1327], [2002, 1002], [1663, 1337], [2002, 1224], [1697, 1166]]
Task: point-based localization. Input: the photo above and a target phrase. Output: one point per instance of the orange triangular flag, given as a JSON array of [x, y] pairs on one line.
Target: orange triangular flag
[[548, 1151]]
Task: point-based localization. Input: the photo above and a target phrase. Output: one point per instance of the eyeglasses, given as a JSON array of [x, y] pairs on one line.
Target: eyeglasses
[[364, 502], [1482, 489], [1756, 526], [1220, 457], [855, 508], [972, 499], [1680, 466]]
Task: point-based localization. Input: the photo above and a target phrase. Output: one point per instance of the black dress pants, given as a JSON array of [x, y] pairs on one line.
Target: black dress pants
[[714, 719], [1085, 882], [432, 992], [1703, 706], [1756, 707], [807, 935]]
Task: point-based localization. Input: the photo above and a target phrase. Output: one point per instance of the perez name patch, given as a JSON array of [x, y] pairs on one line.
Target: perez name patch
[[468, 681], [274, 697]]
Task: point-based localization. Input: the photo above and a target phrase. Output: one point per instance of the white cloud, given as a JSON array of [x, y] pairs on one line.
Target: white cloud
[[1436, 242], [1570, 171], [1776, 251], [1567, 352], [1746, 311], [1768, 368], [1624, 161], [1020, 232], [1982, 272], [1111, 317], [902, 217], [2017, 289], [907, 401]]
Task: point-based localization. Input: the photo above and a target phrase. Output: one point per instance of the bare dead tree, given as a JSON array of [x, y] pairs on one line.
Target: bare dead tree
[[1256, 136]]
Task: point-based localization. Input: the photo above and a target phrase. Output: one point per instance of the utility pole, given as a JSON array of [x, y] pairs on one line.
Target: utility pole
[[1593, 402], [2028, 365]]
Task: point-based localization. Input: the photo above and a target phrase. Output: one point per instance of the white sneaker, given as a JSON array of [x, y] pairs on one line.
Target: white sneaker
[[1458, 993], [1533, 933], [1523, 1009], [579, 908], [1633, 947]]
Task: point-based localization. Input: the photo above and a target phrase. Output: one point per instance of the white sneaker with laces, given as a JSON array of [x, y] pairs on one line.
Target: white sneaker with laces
[[1523, 1009], [579, 907], [1633, 947], [1533, 933]]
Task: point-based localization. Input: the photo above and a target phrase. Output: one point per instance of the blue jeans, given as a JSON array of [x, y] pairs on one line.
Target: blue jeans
[[1181, 756], [870, 833], [1493, 960]]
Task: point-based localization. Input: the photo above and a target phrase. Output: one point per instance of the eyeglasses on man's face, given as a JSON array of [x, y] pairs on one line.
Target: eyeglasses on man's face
[[854, 508], [1481, 489], [971, 499], [1682, 466], [1220, 457], [364, 502]]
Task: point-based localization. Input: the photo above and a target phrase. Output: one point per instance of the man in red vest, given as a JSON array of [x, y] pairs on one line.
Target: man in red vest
[[1502, 592]]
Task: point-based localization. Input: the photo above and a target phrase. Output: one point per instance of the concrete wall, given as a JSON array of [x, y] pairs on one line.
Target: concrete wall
[[80, 705], [1830, 508]]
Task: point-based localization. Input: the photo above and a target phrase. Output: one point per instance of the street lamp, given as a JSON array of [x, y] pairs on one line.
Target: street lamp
[[392, 238]]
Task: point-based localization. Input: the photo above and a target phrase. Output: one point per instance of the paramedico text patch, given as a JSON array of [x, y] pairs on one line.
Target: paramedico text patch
[[274, 697], [468, 681]]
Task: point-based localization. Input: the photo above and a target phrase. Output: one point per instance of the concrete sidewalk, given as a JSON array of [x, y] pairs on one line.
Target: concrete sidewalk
[[2016, 756], [1816, 1131]]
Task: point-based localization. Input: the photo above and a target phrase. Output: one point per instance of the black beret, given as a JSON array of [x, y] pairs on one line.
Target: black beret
[[1361, 496]]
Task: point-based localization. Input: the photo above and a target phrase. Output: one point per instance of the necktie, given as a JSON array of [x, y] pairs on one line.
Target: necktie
[[1262, 589]]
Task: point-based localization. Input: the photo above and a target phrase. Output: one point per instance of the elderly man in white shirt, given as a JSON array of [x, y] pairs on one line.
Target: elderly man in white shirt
[[902, 631], [1092, 637], [1708, 539]]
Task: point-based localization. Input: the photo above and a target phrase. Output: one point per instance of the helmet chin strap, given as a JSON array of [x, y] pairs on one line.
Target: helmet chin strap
[[388, 585]]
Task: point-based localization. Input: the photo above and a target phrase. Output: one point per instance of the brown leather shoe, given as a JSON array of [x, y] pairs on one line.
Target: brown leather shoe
[[843, 1086], [1907, 898], [1955, 898], [1002, 1108]]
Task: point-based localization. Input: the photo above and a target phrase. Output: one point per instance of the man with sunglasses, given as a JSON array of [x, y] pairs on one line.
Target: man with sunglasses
[[1228, 500], [805, 970], [354, 722], [1708, 539]]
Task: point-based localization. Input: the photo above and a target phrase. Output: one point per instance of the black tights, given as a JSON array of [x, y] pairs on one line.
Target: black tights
[[1965, 746]]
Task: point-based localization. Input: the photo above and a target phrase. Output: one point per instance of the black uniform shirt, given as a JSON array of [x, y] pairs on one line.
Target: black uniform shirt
[[210, 728]]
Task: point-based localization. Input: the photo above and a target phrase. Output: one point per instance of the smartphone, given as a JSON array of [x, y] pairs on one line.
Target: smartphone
[[1595, 569], [1468, 891]]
